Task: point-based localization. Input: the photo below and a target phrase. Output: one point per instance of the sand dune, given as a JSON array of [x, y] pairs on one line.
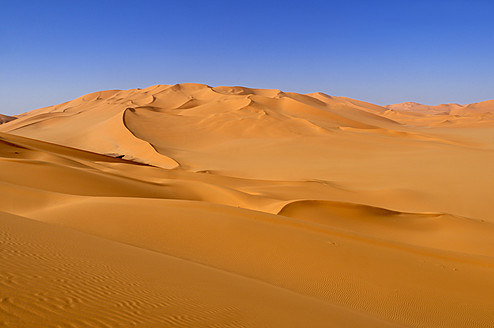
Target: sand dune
[[195, 206], [5, 118], [425, 109], [473, 115], [480, 107]]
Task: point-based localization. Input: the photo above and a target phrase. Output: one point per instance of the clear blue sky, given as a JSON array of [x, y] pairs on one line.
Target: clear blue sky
[[378, 51]]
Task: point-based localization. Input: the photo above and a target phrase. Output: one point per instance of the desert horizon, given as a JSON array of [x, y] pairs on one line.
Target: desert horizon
[[408, 105], [190, 205]]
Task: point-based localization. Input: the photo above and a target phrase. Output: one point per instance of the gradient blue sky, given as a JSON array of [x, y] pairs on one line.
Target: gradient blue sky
[[378, 51]]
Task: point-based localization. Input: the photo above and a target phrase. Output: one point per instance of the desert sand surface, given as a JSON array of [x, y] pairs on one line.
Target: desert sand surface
[[195, 206]]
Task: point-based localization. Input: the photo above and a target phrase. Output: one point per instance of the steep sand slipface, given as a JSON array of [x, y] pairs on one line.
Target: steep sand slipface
[[263, 208], [92, 123]]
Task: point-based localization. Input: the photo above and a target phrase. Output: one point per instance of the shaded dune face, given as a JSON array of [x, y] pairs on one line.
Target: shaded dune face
[[192, 206], [5, 118]]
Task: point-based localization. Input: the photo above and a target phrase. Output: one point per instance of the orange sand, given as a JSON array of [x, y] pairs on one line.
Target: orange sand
[[238, 207]]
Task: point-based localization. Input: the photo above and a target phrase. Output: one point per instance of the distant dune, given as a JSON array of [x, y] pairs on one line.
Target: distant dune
[[481, 107], [5, 118], [424, 109], [195, 206]]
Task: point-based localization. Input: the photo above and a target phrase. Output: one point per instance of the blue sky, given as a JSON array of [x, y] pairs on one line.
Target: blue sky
[[377, 50]]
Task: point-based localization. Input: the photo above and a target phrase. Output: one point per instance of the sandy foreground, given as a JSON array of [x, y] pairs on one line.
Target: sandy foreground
[[192, 206]]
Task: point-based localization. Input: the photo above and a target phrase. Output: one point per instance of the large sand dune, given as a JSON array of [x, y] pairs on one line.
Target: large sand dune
[[193, 206]]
